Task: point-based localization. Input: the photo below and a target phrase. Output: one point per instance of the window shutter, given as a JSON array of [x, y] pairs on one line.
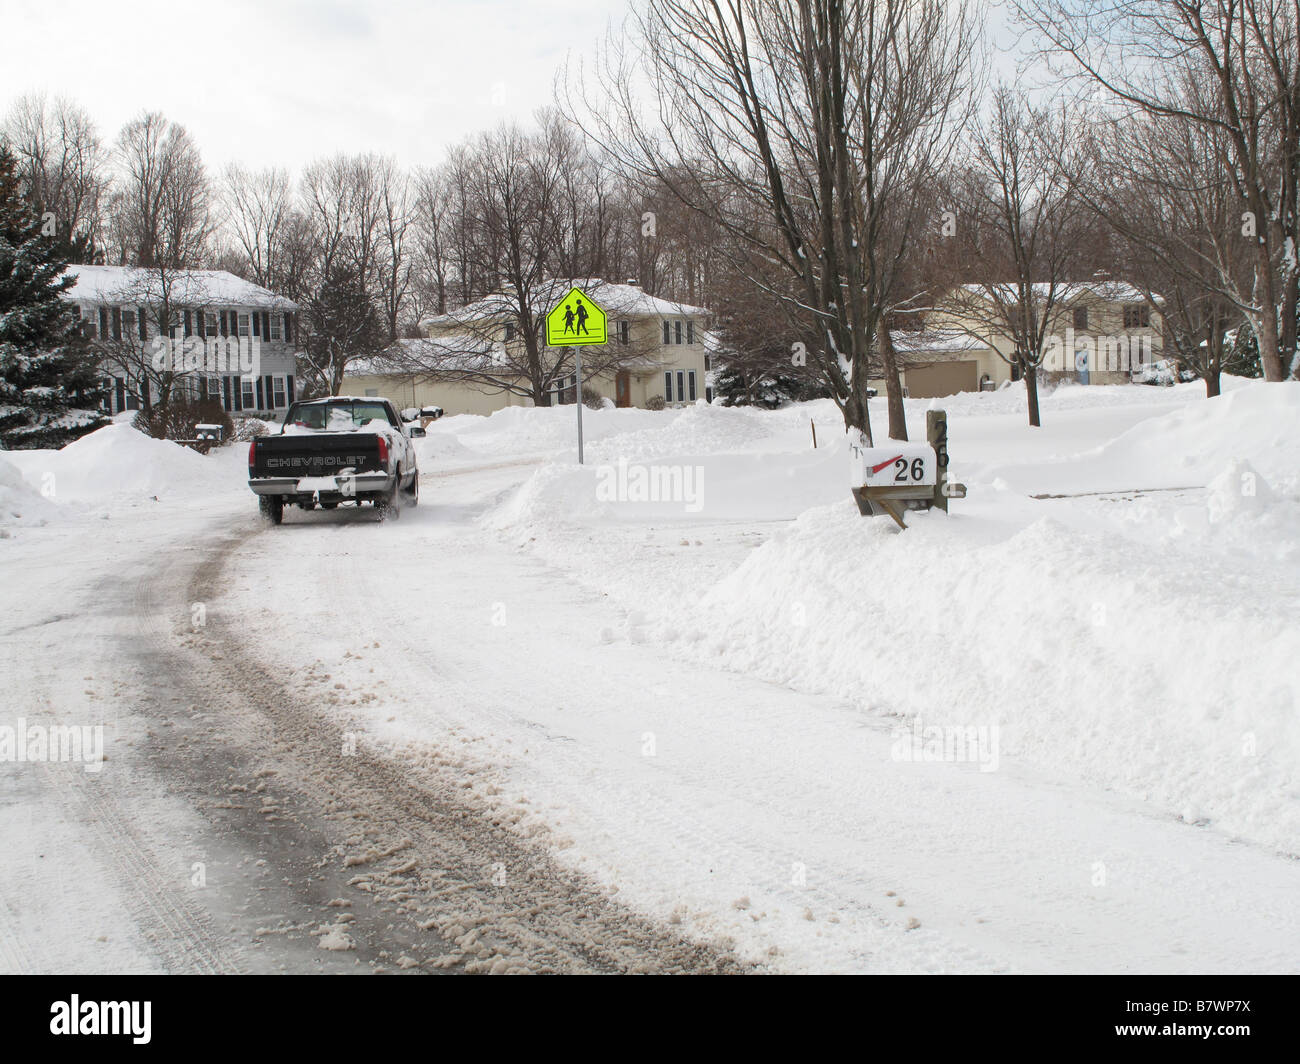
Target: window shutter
[[225, 393], [266, 325], [236, 393], [187, 324], [288, 383], [121, 394], [103, 323], [117, 323], [257, 323], [198, 328], [288, 332], [270, 391], [259, 394], [666, 334], [668, 384], [144, 325]]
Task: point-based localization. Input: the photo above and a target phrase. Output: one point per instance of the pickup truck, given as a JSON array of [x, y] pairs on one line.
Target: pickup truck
[[338, 450]]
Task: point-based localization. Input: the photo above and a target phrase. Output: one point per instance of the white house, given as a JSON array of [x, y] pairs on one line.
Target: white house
[[121, 308]]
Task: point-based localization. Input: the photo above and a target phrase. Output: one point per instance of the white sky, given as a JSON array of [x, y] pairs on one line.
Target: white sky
[[282, 82]]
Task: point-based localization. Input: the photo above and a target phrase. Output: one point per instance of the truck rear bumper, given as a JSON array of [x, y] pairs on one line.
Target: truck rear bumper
[[363, 484]]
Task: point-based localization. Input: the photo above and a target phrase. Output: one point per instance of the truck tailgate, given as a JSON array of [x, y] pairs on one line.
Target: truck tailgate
[[316, 454]]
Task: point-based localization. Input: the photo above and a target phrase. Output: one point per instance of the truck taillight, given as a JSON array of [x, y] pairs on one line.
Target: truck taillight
[[383, 449], [251, 448]]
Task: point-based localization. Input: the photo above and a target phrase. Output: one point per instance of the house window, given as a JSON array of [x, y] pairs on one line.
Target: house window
[[210, 324], [681, 391], [668, 384], [276, 333], [679, 332], [243, 325], [510, 332], [1137, 316], [128, 323], [667, 334], [690, 332], [1081, 319], [708, 363], [690, 377], [213, 385], [248, 397], [277, 384], [371, 392]]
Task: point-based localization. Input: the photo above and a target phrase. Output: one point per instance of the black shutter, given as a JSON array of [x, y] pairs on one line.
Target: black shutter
[[288, 387], [198, 324], [270, 392], [121, 395], [266, 325], [103, 323], [144, 324], [257, 324], [288, 330], [237, 392], [225, 394], [187, 324], [260, 406]]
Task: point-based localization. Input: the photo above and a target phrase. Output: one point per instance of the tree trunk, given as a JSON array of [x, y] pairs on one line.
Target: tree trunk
[[893, 386], [1031, 392], [1212, 384]]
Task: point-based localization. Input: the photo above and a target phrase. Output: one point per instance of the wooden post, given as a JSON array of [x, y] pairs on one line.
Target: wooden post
[[936, 435], [814, 428]]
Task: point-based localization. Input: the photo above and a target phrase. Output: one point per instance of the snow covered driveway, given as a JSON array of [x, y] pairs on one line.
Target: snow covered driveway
[[524, 729]]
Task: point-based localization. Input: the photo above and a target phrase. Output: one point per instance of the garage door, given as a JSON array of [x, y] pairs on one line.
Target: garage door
[[943, 378]]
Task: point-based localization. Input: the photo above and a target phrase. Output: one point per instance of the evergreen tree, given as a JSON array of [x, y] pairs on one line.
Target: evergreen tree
[[47, 373]]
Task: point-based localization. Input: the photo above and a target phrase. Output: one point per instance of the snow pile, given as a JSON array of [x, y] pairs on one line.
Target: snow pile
[[20, 503], [1144, 640], [519, 430], [118, 461]]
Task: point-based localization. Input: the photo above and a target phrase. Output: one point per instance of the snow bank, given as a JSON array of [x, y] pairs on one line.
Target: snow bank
[[20, 503], [1144, 641], [119, 461]]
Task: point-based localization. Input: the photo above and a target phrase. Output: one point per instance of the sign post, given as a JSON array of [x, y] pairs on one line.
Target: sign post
[[577, 321]]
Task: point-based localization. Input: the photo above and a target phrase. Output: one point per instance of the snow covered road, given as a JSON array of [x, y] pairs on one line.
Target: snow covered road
[[508, 732]]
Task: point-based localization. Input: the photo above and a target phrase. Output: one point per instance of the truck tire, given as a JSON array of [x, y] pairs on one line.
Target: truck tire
[[413, 492], [390, 506], [272, 507]]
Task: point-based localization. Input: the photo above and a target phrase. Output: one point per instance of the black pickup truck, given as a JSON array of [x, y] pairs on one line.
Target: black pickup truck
[[341, 450]]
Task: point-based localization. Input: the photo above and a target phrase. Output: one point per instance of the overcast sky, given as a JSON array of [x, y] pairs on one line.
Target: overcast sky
[[282, 82]]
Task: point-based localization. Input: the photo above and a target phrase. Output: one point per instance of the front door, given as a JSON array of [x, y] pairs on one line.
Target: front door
[[622, 388]]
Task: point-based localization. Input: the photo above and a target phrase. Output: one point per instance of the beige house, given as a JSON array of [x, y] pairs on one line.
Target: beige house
[[1102, 331], [657, 345]]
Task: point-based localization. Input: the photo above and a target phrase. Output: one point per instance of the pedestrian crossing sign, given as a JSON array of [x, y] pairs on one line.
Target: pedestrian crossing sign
[[576, 321]]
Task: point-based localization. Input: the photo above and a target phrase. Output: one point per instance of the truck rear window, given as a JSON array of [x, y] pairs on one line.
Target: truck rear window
[[337, 417]]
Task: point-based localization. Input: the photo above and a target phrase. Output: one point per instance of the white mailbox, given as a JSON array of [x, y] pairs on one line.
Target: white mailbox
[[895, 465]]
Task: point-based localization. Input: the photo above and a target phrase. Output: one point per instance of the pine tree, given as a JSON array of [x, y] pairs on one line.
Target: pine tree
[[46, 371]]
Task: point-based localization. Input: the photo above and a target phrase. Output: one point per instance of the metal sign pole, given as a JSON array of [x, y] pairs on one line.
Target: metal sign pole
[[577, 351]]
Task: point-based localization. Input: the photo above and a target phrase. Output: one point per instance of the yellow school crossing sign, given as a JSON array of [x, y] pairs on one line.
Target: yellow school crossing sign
[[576, 322]]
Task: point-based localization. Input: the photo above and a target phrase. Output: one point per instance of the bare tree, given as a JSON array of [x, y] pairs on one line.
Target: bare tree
[[1143, 53], [63, 165], [1021, 209], [258, 208], [161, 208], [805, 125]]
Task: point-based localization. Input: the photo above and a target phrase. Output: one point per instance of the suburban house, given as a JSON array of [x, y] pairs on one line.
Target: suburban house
[[1102, 330], [657, 345], [234, 340]]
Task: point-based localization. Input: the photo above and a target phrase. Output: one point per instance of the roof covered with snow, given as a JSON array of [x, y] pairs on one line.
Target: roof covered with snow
[[617, 300], [936, 340], [1068, 291], [132, 286]]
